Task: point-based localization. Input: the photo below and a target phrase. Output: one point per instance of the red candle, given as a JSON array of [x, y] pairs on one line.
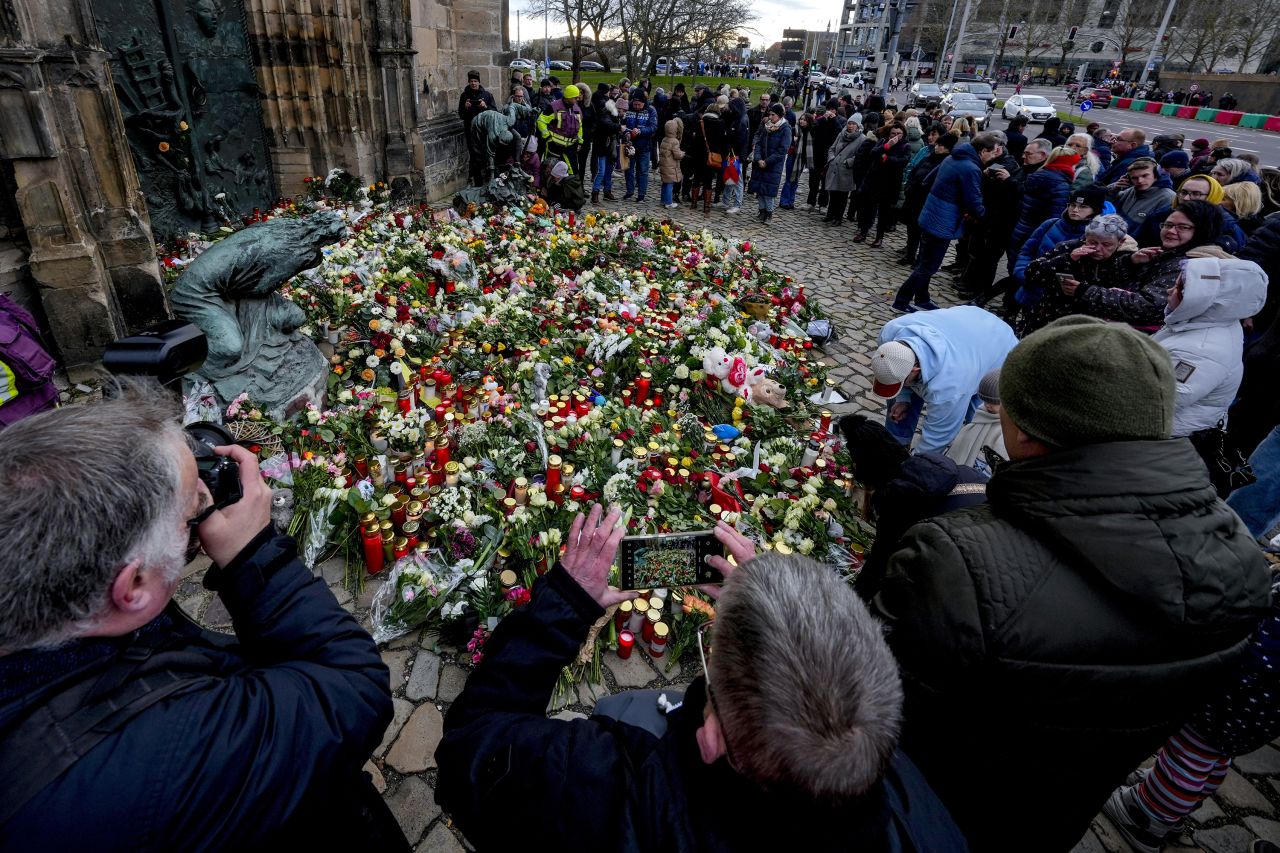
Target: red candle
[[442, 453], [626, 642], [553, 476], [398, 512], [440, 412], [578, 493], [372, 542], [642, 388], [626, 396], [361, 464]]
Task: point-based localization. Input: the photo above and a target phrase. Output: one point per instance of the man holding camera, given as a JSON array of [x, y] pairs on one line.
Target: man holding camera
[[123, 725], [788, 740], [474, 100]]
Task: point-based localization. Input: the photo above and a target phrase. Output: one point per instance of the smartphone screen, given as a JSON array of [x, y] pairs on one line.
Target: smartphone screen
[[668, 560]]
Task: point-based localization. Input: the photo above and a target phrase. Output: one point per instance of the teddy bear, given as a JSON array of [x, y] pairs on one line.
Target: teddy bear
[[732, 371]]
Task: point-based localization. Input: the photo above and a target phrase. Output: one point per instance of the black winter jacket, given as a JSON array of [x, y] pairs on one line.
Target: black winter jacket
[[509, 774], [923, 488], [257, 754], [1062, 631], [1263, 248]]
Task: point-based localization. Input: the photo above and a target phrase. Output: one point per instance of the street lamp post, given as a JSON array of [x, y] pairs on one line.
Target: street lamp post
[[891, 56], [1155, 46], [964, 23]]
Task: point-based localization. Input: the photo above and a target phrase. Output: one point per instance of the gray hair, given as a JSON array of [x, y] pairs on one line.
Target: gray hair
[[1041, 143], [1108, 226], [1234, 166], [806, 689], [988, 140], [788, 102], [88, 489]]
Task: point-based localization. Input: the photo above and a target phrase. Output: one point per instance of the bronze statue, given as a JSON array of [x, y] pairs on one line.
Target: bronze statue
[[254, 342]]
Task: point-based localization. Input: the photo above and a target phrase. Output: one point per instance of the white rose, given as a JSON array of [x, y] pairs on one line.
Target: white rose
[[371, 361], [682, 372]]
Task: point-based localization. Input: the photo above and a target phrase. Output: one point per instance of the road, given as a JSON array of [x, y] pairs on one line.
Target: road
[[1245, 140]]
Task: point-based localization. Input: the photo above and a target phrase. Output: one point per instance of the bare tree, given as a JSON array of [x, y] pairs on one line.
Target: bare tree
[[1037, 31], [1203, 36], [1256, 25], [577, 16]]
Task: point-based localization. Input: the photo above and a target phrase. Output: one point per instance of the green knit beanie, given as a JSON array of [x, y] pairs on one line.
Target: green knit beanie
[[1081, 380]]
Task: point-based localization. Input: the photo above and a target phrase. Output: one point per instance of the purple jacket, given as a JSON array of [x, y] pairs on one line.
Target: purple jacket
[[26, 369]]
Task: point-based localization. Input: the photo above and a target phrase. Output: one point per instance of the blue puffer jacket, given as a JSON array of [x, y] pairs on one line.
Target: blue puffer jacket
[[957, 190], [1050, 233], [771, 147], [1044, 196]]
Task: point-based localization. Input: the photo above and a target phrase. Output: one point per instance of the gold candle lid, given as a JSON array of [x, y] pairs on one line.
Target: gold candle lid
[[423, 547], [507, 578], [509, 502], [661, 629], [639, 453], [653, 447], [554, 461], [618, 444], [566, 470], [384, 527], [452, 467], [388, 536], [639, 605], [655, 603], [522, 483], [625, 607], [652, 615]]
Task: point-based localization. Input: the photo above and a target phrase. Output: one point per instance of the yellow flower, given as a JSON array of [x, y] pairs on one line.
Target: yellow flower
[[373, 325], [182, 125], [164, 146]]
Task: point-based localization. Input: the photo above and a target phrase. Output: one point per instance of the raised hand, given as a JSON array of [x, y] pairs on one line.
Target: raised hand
[[592, 548]]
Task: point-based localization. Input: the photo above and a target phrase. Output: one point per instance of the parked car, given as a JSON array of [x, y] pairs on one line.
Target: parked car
[[1101, 98], [1034, 107], [817, 78], [976, 89], [850, 81], [926, 95], [523, 64], [560, 65], [587, 65], [960, 104]]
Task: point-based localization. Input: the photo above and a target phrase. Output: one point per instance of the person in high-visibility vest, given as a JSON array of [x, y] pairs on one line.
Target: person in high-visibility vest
[[560, 127]]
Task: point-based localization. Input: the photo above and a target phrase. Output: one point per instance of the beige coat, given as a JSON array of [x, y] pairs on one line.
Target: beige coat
[[669, 153]]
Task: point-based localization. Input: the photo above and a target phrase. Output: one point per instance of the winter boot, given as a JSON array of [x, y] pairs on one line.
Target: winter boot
[[706, 204], [696, 197], [595, 196]]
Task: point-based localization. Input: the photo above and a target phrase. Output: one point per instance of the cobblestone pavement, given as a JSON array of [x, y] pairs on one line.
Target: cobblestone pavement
[[855, 284]]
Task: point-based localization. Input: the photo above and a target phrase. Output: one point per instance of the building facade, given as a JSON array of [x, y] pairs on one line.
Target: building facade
[[127, 122]]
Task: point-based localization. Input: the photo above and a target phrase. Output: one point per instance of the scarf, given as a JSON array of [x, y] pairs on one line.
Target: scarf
[[1064, 164]]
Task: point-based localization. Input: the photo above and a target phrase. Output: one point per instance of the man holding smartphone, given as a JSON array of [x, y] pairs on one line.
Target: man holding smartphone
[[123, 725], [792, 716]]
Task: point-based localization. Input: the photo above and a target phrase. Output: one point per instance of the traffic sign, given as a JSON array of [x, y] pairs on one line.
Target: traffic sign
[[1085, 106]]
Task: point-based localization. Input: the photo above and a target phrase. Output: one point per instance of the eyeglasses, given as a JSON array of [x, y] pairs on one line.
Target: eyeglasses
[[1191, 195], [706, 635], [1176, 226]]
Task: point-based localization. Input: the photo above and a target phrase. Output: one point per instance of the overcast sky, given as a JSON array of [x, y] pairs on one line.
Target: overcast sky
[[774, 17]]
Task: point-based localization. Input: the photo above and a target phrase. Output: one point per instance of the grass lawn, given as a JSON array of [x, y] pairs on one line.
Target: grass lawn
[[667, 83]]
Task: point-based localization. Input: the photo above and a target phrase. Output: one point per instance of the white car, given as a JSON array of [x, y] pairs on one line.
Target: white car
[[522, 64], [817, 77], [1034, 107]]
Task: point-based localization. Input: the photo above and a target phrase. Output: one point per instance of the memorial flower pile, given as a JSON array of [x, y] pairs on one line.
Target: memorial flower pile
[[490, 377]]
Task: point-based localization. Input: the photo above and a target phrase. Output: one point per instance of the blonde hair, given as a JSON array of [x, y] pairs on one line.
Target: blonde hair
[[1246, 198], [1089, 159]]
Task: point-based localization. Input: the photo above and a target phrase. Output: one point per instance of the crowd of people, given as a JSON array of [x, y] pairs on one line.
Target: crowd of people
[[1068, 574]]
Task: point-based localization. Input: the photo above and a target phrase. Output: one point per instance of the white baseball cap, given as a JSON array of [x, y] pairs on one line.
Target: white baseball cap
[[891, 364]]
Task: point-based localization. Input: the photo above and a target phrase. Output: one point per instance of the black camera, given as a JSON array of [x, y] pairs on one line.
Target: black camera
[[168, 351]]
